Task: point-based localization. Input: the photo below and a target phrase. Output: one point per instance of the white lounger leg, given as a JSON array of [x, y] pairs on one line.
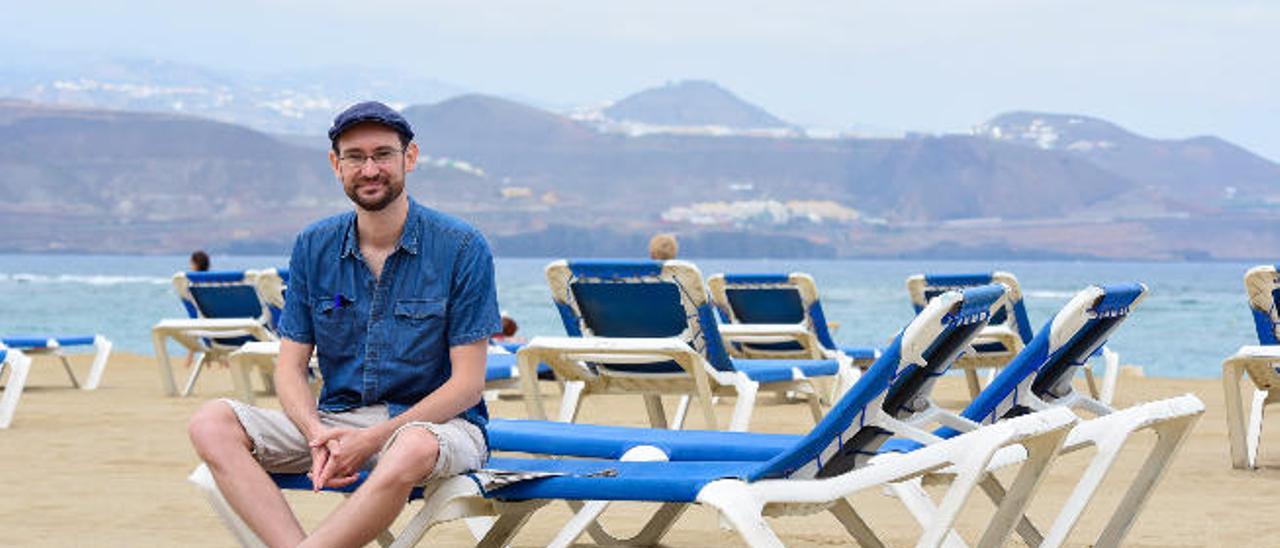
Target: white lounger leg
[[1111, 360], [1171, 435], [570, 400], [682, 412], [197, 365], [1254, 433], [162, 360], [744, 404], [102, 350], [586, 513], [18, 366]]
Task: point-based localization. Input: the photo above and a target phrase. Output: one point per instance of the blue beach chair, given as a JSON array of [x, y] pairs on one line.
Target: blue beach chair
[[1007, 333], [36, 345], [648, 328], [1261, 362], [225, 313], [813, 474], [1040, 377], [788, 303], [18, 366], [1036, 379]]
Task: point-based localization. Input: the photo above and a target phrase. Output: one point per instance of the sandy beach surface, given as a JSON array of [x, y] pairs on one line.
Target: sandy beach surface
[[109, 467]]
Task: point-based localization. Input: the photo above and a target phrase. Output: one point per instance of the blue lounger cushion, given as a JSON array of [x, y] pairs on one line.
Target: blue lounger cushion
[[502, 366], [38, 342], [499, 367], [302, 482], [610, 442], [765, 371], [631, 481], [859, 352]]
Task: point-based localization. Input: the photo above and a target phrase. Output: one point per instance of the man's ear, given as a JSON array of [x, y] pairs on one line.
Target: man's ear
[[333, 161], [410, 157]]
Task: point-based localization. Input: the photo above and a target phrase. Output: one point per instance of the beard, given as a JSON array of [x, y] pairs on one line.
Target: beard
[[391, 191]]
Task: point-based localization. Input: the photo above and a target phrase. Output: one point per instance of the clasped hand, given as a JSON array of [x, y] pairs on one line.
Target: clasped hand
[[337, 454]]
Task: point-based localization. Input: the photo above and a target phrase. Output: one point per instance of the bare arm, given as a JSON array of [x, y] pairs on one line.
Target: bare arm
[[292, 388]]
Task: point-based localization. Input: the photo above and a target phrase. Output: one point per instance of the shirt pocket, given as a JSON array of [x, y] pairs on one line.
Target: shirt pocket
[[335, 327], [419, 333]]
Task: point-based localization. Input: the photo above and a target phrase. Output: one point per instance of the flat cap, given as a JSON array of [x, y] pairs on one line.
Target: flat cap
[[370, 111]]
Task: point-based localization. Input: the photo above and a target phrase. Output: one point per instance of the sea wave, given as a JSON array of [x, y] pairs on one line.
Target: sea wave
[[82, 279]]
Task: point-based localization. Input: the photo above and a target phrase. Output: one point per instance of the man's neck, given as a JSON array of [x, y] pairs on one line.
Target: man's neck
[[382, 229]]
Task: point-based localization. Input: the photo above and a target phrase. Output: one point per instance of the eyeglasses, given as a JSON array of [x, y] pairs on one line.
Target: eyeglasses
[[383, 157]]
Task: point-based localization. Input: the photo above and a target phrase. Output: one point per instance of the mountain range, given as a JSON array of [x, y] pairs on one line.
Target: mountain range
[[1021, 184]]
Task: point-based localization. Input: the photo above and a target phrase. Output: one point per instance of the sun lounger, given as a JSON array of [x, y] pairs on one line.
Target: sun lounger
[[18, 366], [1007, 333], [648, 328], [813, 474], [1261, 362], [36, 345], [226, 312], [1040, 378], [787, 301]]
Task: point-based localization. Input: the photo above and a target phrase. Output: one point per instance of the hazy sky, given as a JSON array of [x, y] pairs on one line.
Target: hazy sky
[[1167, 69]]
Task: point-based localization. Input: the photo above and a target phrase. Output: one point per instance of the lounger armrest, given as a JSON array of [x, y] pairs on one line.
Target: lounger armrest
[[764, 333], [208, 324], [1254, 352], [761, 333], [1001, 333]]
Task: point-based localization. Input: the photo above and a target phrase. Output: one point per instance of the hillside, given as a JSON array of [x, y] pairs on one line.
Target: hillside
[[541, 183]]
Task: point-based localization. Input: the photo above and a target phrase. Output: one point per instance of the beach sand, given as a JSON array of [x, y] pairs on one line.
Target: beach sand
[[109, 467]]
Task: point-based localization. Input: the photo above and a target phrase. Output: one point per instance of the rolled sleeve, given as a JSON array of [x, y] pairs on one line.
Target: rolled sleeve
[[473, 295], [295, 322]]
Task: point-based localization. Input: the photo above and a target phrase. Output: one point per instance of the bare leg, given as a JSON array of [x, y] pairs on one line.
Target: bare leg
[[375, 505], [225, 447]]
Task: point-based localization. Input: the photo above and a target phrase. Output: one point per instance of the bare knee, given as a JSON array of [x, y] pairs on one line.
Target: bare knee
[[411, 457], [215, 428]]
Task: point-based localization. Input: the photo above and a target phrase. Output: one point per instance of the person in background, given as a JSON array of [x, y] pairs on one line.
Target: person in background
[[509, 329], [199, 263], [663, 247]]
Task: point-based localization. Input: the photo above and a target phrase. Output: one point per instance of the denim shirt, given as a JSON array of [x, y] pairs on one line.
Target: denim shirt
[[386, 340]]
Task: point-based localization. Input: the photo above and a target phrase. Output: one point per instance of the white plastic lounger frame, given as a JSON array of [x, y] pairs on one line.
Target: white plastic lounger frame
[[1171, 420], [199, 334], [1073, 335], [53, 346], [1261, 362], [18, 366], [744, 505]]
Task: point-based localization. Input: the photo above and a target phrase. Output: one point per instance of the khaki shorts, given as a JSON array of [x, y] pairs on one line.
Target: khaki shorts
[[280, 447]]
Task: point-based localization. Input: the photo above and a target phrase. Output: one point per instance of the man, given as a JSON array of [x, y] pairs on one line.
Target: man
[[398, 302]]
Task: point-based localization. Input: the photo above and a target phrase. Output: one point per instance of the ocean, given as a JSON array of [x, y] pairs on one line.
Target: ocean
[[1194, 316]]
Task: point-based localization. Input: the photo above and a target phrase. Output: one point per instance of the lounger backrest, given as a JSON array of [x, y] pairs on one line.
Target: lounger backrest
[[1047, 365], [1262, 285], [624, 298], [771, 299], [846, 437], [222, 294], [271, 287], [923, 287]]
